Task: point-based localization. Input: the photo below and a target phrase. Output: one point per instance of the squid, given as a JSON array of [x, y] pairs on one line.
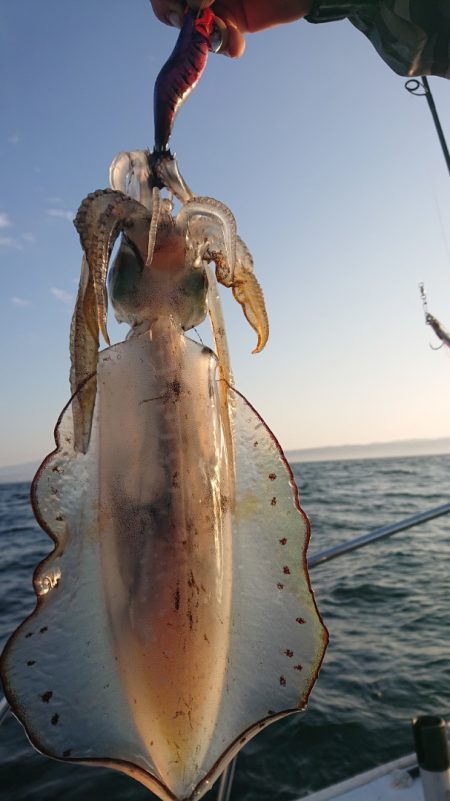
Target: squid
[[174, 618]]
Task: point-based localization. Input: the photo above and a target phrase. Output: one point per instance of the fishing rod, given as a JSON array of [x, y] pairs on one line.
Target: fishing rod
[[414, 86]]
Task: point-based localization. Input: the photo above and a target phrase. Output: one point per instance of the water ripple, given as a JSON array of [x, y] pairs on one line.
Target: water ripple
[[387, 608]]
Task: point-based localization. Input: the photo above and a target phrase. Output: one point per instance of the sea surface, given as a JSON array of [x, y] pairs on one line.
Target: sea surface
[[387, 608]]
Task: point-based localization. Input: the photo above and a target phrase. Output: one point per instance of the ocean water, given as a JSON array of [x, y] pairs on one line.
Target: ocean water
[[387, 608]]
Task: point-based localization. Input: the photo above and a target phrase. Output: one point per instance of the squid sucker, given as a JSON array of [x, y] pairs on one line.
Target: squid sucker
[[175, 617]]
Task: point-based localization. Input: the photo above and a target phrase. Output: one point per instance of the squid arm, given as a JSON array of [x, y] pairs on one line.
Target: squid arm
[[102, 215], [153, 229], [208, 221], [196, 213], [84, 344], [211, 222], [130, 173], [100, 218]]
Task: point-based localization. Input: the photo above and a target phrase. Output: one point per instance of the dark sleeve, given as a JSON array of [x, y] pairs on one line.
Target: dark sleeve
[[412, 36]]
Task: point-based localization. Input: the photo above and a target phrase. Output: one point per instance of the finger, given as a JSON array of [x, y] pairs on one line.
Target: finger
[[170, 12], [233, 40], [199, 4]]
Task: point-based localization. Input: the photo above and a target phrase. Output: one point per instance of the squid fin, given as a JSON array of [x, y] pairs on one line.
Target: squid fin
[[69, 675], [278, 638]]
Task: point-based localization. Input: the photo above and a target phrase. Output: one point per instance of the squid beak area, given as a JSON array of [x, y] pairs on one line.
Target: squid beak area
[[169, 252], [166, 173]]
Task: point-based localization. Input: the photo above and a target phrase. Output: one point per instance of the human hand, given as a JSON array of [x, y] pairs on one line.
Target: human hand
[[239, 16]]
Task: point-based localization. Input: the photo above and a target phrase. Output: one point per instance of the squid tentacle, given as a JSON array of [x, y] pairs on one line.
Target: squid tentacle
[[244, 263], [247, 291]]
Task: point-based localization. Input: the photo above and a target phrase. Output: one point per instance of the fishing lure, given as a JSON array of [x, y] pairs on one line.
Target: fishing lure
[[199, 35], [175, 617], [437, 327]]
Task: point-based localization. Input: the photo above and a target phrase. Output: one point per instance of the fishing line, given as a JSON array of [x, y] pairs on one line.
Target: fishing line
[[200, 339], [440, 218], [432, 189]]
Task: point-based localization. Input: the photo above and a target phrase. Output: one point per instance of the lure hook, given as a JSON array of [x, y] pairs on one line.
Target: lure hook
[[431, 320]]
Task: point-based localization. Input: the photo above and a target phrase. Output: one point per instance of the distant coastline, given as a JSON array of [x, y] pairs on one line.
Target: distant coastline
[[373, 450], [12, 474]]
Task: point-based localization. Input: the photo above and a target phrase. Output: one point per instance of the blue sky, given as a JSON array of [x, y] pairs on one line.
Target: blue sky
[[334, 174]]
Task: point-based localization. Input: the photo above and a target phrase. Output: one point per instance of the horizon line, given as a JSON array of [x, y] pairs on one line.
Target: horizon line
[[441, 443]]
